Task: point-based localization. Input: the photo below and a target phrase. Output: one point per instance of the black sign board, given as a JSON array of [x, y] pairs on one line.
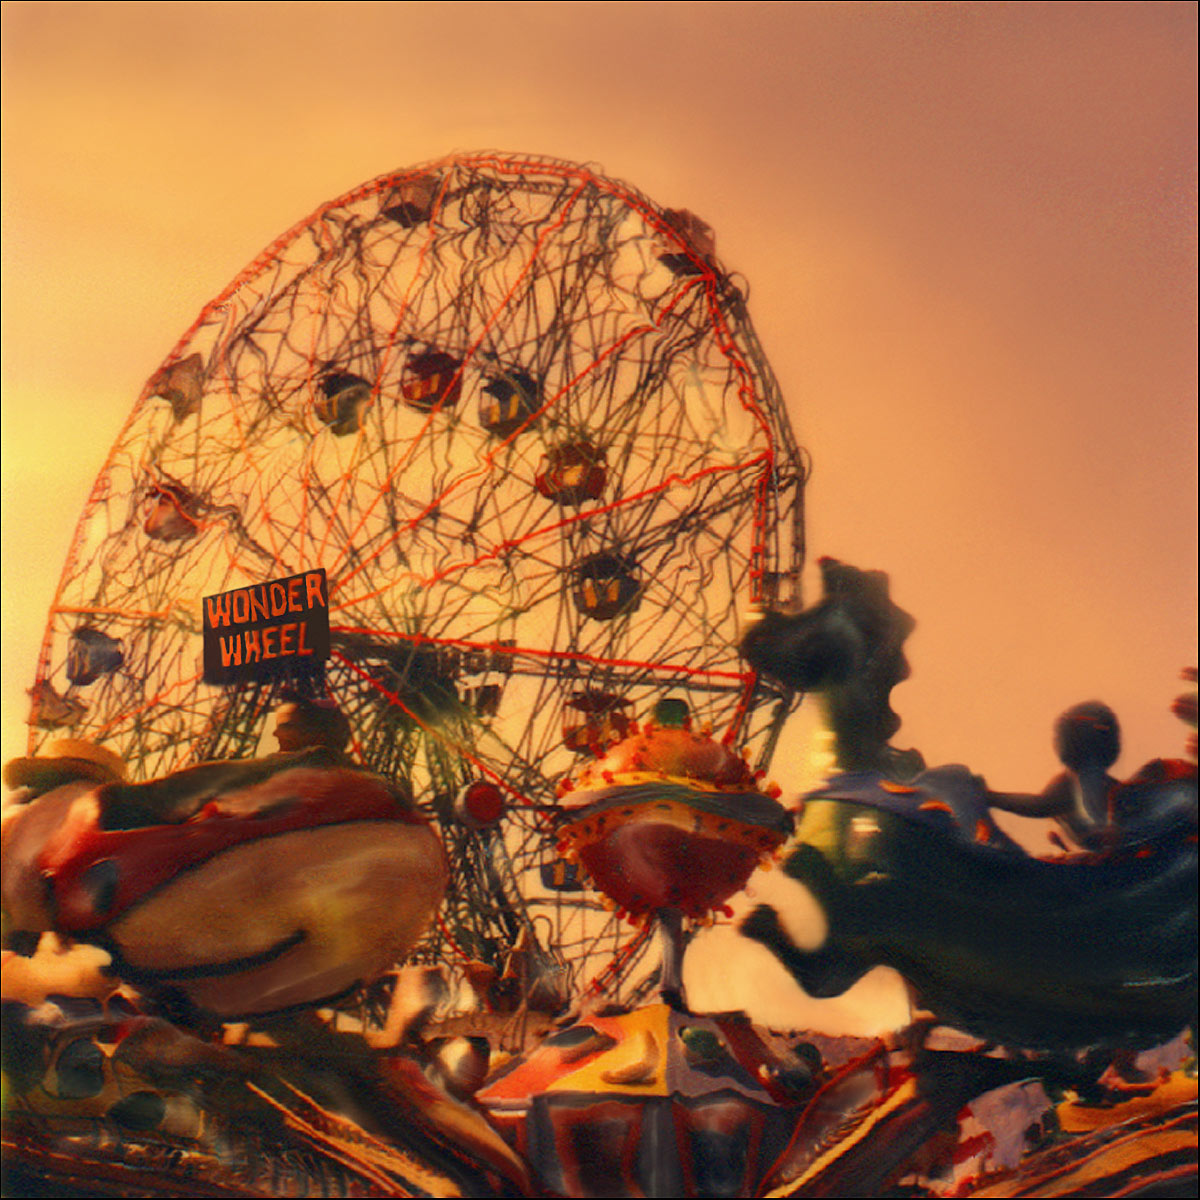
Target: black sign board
[[268, 629]]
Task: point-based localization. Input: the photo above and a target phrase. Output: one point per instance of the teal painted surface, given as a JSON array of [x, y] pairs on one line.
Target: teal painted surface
[[1013, 948]]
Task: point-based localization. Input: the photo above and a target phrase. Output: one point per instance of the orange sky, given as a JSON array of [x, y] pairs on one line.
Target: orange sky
[[968, 230]]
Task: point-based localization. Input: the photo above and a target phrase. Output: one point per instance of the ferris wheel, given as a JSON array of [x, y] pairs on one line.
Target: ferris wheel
[[517, 413]]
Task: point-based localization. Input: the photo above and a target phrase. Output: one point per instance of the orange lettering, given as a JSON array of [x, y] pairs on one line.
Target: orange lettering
[[268, 642], [312, 582], [258, 604], [286, 635], [231, 651], [241, 607], [278, 599], [253, 646], [302, 648], [295, 604], [218, 610]]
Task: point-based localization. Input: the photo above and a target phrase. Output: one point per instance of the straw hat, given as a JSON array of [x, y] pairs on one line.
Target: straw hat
[[62, 762]]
